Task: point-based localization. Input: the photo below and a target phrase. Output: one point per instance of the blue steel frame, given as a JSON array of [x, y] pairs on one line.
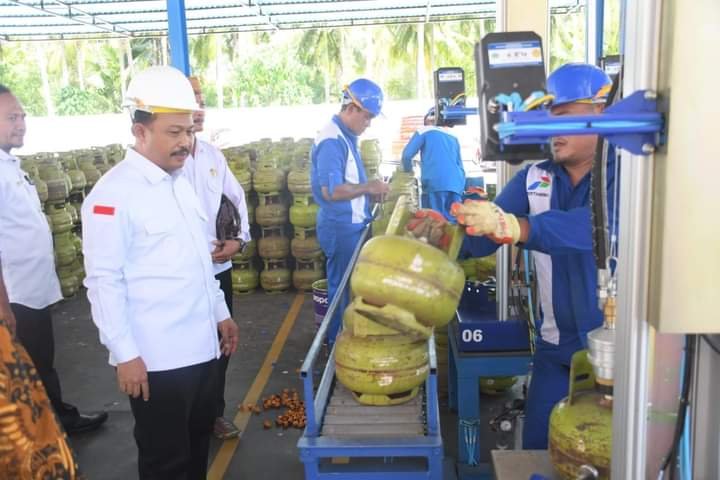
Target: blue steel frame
[[599, 32], [633, 124], [314, 447], [465, 370], [177, 36]]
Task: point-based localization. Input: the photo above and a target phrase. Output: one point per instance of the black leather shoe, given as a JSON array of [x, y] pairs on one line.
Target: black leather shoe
[[84, 422]]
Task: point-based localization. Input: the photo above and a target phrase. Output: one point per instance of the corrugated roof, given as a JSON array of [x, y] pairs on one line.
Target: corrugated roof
[[56, 19]]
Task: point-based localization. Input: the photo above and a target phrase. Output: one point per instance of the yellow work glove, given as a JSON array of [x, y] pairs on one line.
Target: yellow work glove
[[481, 217]]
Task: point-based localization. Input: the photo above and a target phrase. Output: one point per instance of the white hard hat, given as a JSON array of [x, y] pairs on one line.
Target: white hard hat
[[162, 89]]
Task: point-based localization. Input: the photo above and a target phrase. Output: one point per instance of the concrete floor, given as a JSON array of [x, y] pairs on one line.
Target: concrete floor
[[110, 453]]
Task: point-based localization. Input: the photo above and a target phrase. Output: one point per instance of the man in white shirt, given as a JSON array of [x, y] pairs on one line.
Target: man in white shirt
[[207, 171], [151, 282], [26, 247]]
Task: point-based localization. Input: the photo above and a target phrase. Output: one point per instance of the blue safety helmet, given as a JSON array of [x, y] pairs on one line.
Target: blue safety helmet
[[578, 82], [364, 93]]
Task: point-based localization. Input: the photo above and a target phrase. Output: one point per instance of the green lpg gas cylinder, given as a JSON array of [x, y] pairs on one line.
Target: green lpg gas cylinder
[[273, 244], [581, 425], [299, 180], [245, 278], [304, 216], [409, 274], [381, 370], [306, 273], [276, 277], [268, 179]]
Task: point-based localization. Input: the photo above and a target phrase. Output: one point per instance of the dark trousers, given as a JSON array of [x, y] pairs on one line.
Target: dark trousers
[[35, 332], [548, 385], [225, 279], [172, 429]]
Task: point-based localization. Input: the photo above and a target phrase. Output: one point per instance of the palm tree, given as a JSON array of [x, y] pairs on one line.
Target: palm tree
[[415, 41], [204, 51], [219, 71], [323, 49], [45, 77], [81, 64]]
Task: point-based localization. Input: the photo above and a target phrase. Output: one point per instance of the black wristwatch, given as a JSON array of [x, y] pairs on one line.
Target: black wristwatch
[[243, 245]]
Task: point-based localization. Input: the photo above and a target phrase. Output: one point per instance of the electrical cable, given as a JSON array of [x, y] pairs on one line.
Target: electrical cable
[[671, 458], [530, 302]]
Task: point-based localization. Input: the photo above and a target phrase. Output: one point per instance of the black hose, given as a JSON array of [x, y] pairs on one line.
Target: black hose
[[598, 190], [598, 205], [671, 458]]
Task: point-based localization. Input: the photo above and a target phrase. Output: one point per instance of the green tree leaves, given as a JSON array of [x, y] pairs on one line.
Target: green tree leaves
[[273, 68], [72, 100]]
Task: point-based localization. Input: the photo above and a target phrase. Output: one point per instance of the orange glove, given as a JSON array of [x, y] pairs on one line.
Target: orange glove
[[481, 217], [429, 226]]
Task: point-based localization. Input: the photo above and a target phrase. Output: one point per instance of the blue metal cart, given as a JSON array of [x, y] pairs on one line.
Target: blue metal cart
[[375, 442]]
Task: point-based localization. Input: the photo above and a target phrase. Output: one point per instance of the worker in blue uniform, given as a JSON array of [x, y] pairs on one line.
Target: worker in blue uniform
[[545, 209], [340, 186], [442, 173]]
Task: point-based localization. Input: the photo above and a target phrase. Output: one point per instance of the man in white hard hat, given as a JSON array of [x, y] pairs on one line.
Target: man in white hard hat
[[228, 230], [151, 283], [26, 246]]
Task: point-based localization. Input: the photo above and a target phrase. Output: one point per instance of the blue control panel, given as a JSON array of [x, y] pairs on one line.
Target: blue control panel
[[479, 329]]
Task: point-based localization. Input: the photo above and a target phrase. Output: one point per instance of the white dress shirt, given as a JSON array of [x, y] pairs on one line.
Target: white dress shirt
[[26, 244], [209, 174], [150, 279]]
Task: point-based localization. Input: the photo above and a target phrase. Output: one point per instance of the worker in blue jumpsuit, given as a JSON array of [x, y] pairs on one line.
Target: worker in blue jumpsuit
[[545, 209], [340, 186], [442, 173]]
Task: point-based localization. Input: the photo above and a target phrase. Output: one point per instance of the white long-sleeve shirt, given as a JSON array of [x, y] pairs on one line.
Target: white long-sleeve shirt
[[26, 243], [209, 174], [150, 279]]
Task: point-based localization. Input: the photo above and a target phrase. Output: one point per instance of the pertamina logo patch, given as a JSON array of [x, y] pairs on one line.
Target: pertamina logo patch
[[544, 182]]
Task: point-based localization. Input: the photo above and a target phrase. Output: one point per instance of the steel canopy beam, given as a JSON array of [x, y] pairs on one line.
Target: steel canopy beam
[[76, 15], [259, 13], [83, 19]]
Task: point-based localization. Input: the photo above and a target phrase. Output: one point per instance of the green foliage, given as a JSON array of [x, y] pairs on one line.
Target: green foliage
[[400, 89], [567, 34], [279, 68], [104, 74], [611, 43], [20, 73], [273, 80], [72, 100], [567, 38]]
